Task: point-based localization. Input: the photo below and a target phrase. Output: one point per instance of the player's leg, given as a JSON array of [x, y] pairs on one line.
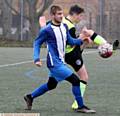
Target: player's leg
[[51, 84], [78, 66], [74, 80], [83, 75], [64, 73]]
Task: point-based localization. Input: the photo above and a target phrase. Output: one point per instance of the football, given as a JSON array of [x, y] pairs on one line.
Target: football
[[105, 50]]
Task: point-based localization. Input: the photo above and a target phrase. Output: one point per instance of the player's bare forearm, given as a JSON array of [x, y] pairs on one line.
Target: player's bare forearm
[[97, 39]]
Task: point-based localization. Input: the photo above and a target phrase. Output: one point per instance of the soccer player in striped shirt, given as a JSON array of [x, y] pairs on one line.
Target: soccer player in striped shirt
[[56, 35]]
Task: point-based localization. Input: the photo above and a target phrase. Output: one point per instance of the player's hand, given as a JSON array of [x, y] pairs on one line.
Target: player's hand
[[85, 38], [87, 32], [42, 21], [38, 63]]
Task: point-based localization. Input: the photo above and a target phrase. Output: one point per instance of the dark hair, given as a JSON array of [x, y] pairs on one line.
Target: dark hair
[[54, 9], [75, 9]]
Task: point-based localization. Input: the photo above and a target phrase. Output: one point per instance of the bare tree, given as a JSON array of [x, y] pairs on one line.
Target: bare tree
[[32, 15], [6, 19], [114, 19]]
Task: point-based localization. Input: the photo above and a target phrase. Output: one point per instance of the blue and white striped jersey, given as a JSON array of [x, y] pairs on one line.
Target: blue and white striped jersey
[[56, 37]]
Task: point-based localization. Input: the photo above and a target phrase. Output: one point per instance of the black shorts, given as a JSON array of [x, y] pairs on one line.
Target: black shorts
[[74, 58]]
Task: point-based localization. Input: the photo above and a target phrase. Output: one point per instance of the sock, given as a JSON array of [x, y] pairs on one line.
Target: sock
[[77, 93], [83, 85], [40, 90]]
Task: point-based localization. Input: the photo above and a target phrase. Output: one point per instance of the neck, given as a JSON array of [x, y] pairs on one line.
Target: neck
[[55, 23]]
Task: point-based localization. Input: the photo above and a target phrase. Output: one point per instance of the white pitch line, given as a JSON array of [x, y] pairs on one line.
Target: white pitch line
[[14, 64], [19, 63], [89, 52], [29, 61]]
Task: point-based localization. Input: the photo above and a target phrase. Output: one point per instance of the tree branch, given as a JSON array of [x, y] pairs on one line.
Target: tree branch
[[8, 4], [45, 5]]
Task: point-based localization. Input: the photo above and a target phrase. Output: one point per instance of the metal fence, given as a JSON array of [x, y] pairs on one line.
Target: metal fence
[[105, 21]]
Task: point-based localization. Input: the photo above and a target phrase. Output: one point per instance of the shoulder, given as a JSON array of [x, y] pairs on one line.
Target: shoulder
[[48, 22], [68, 23], [67, 28], [46, 28], [65, 25]]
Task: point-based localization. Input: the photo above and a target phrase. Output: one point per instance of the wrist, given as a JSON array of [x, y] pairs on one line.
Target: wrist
[[93, 36], [36, 60]]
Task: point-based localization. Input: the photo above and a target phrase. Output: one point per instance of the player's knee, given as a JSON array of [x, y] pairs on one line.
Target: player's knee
[[74, 80], [52, 83]]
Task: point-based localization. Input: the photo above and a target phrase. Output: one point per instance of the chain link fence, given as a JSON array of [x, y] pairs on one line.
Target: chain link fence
[[11, 21]]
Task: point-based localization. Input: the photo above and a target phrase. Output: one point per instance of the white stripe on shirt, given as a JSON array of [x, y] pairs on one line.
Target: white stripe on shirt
[[60, 39]]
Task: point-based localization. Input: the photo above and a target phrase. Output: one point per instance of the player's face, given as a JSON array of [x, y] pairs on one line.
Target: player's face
[[58, 16], [78, 17]]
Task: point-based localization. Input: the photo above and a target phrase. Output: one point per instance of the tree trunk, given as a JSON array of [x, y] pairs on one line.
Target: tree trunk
[[6, 19], [32, 17]]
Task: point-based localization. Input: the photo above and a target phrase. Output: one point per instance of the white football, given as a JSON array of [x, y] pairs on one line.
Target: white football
[[105, 50]]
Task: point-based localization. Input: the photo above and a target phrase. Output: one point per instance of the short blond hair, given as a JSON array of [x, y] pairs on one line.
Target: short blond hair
[[54, 9]]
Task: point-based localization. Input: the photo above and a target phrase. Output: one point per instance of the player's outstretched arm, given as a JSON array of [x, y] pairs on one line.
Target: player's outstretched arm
[[37, 45], [74, 41], [97, 39]]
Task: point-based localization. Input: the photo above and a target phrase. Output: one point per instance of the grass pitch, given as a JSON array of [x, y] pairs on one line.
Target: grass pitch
[[19, 76]]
